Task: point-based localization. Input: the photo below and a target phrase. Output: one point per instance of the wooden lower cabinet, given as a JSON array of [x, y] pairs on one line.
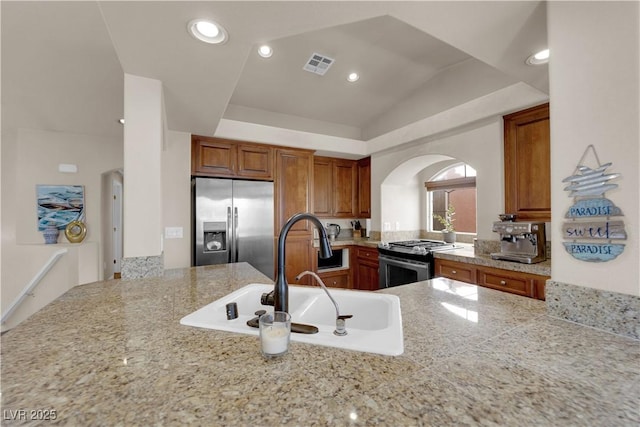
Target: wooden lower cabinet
[[365, 268], [298, 258], [515, 282]]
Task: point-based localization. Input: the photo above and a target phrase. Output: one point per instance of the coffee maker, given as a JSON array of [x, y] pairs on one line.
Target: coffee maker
[[520, 241]]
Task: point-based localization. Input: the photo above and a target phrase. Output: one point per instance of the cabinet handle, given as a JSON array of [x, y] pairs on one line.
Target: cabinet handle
[[454, 272], [502, 282]]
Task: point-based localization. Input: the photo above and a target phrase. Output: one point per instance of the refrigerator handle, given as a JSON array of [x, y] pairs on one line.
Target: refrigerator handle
[[235, 233], [229, 240]]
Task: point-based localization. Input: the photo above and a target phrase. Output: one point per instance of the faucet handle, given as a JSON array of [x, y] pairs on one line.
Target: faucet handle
[[267, 298], [341, 325]]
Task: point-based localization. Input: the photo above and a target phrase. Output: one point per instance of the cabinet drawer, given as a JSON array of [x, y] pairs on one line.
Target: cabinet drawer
[[462, 274], [367, 253], [515, 285], [456, 271], [336, 281]]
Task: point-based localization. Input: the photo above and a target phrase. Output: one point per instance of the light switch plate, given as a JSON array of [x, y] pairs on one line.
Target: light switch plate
[[173, 233]]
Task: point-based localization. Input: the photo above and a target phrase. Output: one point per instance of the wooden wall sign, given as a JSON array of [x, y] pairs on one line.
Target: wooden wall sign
[[590, 230]]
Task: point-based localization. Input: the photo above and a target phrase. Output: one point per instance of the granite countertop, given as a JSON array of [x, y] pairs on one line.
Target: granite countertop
[[466, 253], [463, 253], [351, 241], [114, 353]]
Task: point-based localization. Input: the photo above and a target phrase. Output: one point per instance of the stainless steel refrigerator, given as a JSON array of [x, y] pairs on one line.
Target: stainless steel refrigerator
[[233, 222]]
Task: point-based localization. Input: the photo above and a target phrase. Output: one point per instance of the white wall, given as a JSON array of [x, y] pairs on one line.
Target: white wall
[[143, 144], [481, 147], [595, 91], [176, 198]]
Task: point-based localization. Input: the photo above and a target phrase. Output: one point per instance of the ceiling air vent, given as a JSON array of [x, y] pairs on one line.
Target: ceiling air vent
[[318, 64]]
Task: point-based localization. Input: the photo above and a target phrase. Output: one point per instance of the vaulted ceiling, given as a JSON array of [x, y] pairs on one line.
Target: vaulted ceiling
[[63, 62]]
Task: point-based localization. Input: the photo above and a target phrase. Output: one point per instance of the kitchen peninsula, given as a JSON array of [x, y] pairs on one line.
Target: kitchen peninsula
[[114, 353]]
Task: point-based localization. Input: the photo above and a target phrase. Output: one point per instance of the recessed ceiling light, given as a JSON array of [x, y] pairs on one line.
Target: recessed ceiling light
[[207, 31], [353, 77], [265, 51], [538, 58]]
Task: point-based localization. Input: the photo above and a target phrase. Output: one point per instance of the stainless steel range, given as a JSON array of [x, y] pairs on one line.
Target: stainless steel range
[[408, 261]]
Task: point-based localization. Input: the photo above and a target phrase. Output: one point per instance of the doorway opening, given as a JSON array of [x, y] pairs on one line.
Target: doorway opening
[[112, 226]]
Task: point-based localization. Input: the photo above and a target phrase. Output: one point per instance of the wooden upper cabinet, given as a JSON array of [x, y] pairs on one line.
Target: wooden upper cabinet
[[255, 161], [527, 164], [322, 194], [213, 156], [294, 172], [345, 183], [219, 157], [335, 184], [364, 188]]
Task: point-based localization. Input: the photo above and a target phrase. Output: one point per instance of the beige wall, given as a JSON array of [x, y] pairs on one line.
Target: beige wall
[[31, 157], [143, 145], [594, 82], [176, 198], [481, 147]]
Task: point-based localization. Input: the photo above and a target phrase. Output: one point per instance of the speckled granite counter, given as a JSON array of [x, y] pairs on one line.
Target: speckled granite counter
[[351, 241], [114, 353], [464, 253]]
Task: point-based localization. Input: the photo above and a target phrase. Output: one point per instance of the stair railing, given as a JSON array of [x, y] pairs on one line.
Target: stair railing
[[33, 283]]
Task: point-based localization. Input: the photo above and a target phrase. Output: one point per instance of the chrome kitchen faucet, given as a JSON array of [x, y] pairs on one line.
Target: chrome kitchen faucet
[[341, 329]]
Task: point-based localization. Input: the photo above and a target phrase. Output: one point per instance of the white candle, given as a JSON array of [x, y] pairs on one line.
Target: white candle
[[275, 339]]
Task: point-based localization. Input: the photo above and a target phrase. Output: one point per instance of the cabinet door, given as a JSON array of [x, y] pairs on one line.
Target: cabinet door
[[527, 164], [366, 269], [364, 188], [455, 270], [344, 188], [213, 156], [294, 171], [255, 161], [298, 258], [322, 184], [367, 276]]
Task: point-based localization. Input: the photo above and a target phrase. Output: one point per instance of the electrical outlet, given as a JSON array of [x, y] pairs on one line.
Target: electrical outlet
[[387, 226]]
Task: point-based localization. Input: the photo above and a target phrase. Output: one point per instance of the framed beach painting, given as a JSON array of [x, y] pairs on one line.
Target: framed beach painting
[[59, 205]]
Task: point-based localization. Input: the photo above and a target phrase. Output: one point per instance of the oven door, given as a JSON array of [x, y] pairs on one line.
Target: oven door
[[396, 271]]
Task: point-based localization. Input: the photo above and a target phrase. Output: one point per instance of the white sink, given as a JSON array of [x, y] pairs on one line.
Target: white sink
[[376, 325]]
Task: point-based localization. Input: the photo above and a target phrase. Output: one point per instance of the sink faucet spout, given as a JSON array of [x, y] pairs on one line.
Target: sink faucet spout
[[281, 288], [341, 329]]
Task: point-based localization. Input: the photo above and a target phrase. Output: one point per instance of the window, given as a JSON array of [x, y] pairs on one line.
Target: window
[[454, 186]]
